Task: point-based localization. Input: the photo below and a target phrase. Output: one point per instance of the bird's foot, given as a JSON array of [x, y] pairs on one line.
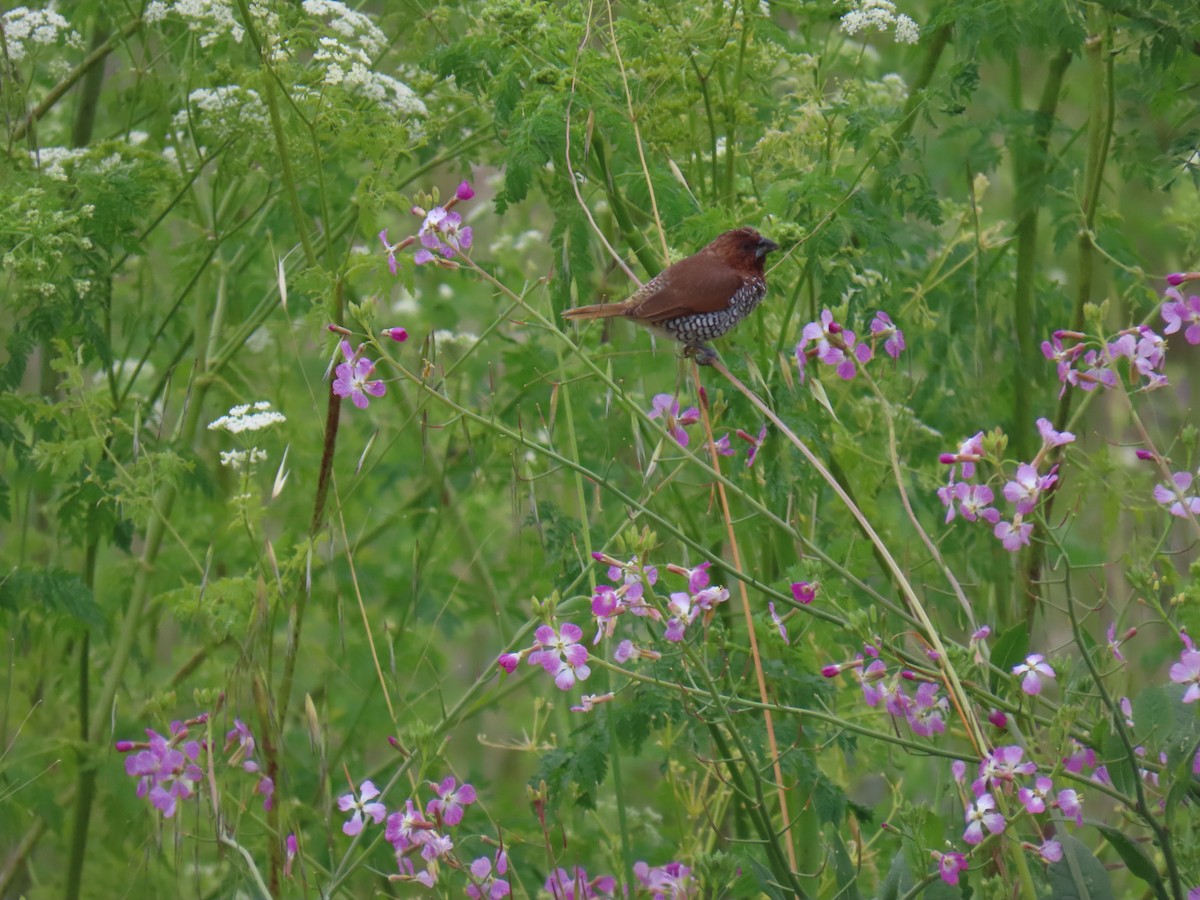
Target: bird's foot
[[703, 354]]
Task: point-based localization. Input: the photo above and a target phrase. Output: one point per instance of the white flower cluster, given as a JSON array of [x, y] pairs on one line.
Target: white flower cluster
[[54, 161], [228, 108], [882, 16], [240, 418], [235, 459], [348, 53], [211, 19], [23, 27], [351, 25]]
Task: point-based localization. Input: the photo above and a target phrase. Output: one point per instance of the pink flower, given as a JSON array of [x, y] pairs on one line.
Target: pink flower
[[982, 814], [1071, 805], [1052, 438], [1174, 496], [464, 191], [1034, 669], [778, 622], [1013, 535], [950, 865], [354, 378], [754, 442], [399, 335], [561, 654], [668, 407], [1034, 798], [893, 338], [1025, 487], [1182, 312], [488, 885], [1187, 671], [803, 592], [450, 802], [361, 806], [1050, 851]]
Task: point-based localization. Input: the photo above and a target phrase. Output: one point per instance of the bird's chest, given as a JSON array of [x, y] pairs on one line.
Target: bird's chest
[[695, 327]]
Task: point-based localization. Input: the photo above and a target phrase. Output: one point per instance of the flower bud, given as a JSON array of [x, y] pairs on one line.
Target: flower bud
[[399, 335]]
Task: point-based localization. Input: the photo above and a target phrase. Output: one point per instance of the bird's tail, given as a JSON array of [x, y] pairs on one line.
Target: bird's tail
[[596, 311]]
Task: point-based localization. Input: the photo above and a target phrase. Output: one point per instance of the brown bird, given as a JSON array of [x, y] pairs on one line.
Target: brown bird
[[698, 298]]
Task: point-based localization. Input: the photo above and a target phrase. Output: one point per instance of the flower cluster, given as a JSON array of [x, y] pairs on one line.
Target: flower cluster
[[168, 770], [665, 882], [415, 834], [247, 417], [1087, 368], [924, 710], [1182, 313], [24, 28], [972, 500], [441, 232], [838, 347], [880, 15], [577, 886]]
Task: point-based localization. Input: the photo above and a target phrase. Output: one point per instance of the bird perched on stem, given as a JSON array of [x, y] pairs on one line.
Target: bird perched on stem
[[698, 298]]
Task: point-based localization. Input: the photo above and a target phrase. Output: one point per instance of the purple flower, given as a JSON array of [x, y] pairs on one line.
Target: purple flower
[[1050, 851], [754, 442], [778, 622], [664, 882], [950, 865], [668, 407], [444, 233], [361, 806], [982, 814], [451, 802], [1079, 758], [1180, 313], [1114, 643], [390, 249], [973, 500], [969, 452], [291, 847], [1013, 535], [803, 592], [1034, 798], [959, 769], [406, 828], [561, 654], [834, 346], [588, 702], [722, 446], [1050, 437], [1024, 488], [509, 662], [883, 327], [354, 378], [399, 335], [1071, 805], [488, 883], [1187, 671], [1174, 496], [1033, 670], [464, 191], [576, 886], [244, 754], [1000, 768], [926, 715], [166, 774], [1063, 357]]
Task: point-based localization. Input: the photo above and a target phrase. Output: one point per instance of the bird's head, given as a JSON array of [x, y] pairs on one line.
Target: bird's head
[[743, 248]]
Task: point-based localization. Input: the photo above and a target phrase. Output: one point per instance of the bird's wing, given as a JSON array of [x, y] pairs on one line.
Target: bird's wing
[[698, 284]]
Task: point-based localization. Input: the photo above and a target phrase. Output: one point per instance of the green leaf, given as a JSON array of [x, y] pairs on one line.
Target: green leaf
[[843, 867], [1131, 853], [1155, 715], [899, 879], [1009, 650], [54, 591], [1094, 883]]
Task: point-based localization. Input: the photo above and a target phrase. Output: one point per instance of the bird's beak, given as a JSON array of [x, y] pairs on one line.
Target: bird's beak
[[765, 246]]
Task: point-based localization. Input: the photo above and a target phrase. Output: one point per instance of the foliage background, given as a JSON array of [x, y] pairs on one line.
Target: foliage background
[[1027, 166]]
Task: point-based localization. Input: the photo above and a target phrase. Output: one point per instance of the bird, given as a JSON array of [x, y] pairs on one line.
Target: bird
[[698, 298]]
